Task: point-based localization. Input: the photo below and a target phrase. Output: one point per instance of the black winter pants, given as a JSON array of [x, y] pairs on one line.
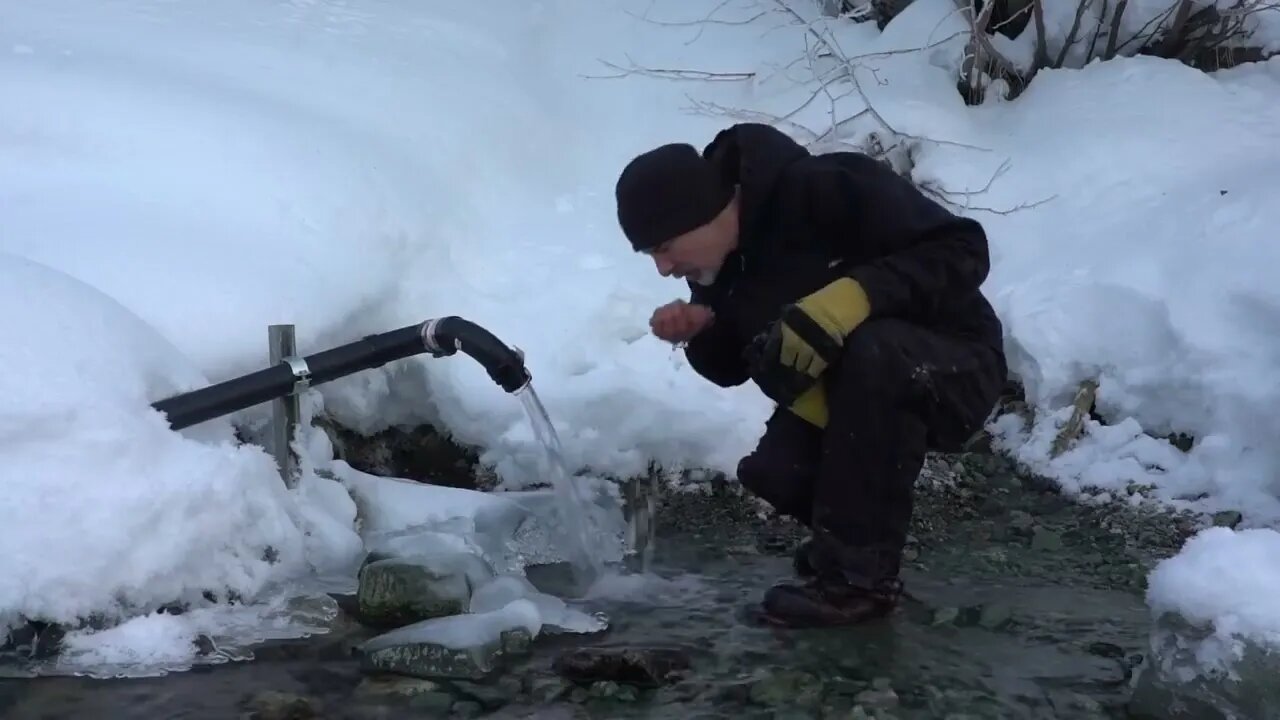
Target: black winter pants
[[899, 390]]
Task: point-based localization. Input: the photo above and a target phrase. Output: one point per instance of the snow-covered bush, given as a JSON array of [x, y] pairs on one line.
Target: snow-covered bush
[[1012, 40]]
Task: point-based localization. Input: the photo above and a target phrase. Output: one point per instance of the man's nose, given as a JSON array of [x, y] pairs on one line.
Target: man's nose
[[664, 265]]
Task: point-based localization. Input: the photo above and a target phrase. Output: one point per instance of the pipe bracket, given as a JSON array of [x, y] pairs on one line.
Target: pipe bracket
[[301, 374]]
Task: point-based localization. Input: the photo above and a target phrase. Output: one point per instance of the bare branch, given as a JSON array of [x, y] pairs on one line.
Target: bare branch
[[1110, 51], [948, 196], [1097, 30], [1042, 42], [1081, 6], [671, 74]]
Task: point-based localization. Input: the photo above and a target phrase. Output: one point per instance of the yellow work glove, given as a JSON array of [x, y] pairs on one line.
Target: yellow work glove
[[812, 406], [806, 340], [814, 329]]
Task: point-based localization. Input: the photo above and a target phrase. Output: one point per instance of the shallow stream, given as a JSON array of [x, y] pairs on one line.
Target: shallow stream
[[1003, 627]]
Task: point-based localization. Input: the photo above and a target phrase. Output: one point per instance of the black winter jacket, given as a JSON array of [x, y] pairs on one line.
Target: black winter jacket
[[805, 220]]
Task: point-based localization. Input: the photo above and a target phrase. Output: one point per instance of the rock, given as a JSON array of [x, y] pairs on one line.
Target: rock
[[1021, 521], [467, 709], [610, 690], [646, 667], [490, 695], [399, 591], [426, 695], [460, 647], [877, 697], [271, 705], [1046, 540], [994, 616], [1227, 518], [786, 687], [432, 661], [547, 690], [946, 615]]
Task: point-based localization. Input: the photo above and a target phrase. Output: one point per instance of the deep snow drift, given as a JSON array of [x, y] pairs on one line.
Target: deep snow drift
[[206, 169]]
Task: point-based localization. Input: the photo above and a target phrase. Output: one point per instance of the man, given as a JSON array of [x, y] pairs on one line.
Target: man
[[854, 302]]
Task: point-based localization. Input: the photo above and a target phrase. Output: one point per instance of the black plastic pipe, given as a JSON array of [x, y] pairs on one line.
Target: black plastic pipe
[[440, 337]]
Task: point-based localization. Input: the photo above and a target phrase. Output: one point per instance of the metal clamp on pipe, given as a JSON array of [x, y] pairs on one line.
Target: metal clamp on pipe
[[301, 374]]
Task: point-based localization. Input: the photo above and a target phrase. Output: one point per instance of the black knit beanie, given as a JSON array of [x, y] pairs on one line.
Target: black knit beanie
[[666, 192]]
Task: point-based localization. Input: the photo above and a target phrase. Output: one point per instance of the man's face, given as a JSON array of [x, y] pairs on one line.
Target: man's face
[[696, 255]]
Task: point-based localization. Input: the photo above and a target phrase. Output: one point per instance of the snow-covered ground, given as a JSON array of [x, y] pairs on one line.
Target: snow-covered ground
[[176, 176]]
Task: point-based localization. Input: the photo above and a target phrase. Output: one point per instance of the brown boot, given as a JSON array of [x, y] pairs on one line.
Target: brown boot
[[826, 602]]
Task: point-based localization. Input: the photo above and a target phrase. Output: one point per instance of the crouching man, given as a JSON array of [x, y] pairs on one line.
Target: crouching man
[[850, 299]]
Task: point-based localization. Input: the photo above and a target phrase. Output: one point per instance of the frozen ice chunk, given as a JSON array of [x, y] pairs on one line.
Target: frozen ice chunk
[[555, 614], [468, 647]]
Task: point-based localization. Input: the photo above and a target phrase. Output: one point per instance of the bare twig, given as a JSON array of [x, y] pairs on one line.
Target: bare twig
[[948, 196], [701, 24], [671, 74]]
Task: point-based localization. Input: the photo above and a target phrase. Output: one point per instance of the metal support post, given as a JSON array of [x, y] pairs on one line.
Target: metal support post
[[286, 410]]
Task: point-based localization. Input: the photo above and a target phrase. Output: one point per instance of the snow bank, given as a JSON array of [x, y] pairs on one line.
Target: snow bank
[[316, 164], [108, 512]]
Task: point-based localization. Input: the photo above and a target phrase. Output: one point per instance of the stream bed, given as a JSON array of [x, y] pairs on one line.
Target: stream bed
[[1023, 605]]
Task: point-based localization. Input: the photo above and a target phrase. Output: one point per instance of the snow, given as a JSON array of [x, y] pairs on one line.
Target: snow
[[176, 175]]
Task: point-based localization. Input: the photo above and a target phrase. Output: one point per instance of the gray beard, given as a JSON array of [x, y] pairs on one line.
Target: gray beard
[[706, 277]]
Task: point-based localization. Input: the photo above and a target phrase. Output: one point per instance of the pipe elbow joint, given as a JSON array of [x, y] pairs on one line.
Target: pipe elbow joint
[[446, 336]]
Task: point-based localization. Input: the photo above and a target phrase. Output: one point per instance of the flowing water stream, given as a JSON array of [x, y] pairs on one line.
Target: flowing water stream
[[573, 506]]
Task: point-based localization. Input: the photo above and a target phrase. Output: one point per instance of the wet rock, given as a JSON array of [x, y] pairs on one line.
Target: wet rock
[[426, 695], [35, 639], [420, 453], [271, 705], [433, 661], [1043, 539], [879, 695], [490, 695], [786, 687], [467, 709], [1228, 518], [945, 616], [610, 690], [646, 667], [994, 616], [1021, 521], [399, 591], [545, 690]]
